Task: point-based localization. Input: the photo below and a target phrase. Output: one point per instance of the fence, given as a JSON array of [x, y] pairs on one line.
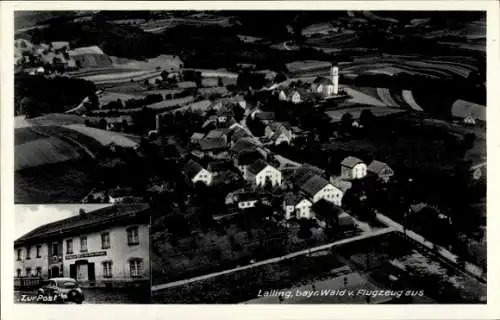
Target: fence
[[26, 283]]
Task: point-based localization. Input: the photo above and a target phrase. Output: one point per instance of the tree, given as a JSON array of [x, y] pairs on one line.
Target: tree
[[164, 75], [366, 118], [280, 77], [220, 83]]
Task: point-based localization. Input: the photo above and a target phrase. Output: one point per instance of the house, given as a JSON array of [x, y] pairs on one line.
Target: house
[[381, 170], [196, 173], [469, 119], [279, 133], [306, 171], [247, 200], [260, 173], [237, 134], [243, 145], [196, 137], [317, 188], [353, 168], [215, 135], [297, 205], [99, 248], [245, 159], [214, 146], [340, 184], [323, 86]]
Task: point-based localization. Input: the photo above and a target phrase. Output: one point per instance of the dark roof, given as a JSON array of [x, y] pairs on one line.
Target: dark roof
[[248, 157], [257, 166], [341, 184], [238, 133], [305, 172], [350, 162], [313, 185], [264, 115], [323, 81], [244, 144], [292, 199], [377, 166], [219, 165], [212, 144], [79, 223], [215, 134], [246, 196], [192, 168]]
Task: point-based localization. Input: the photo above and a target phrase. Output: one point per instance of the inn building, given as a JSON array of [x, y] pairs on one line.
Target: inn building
[[105, 247]]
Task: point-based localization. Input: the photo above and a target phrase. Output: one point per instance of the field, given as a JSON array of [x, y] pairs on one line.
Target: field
[[67, 182], [355, 111], [103, 137]]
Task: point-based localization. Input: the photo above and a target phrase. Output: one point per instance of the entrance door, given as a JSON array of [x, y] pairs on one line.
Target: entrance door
[[72, 271], [82, 272], [91, 271], [55, 272]]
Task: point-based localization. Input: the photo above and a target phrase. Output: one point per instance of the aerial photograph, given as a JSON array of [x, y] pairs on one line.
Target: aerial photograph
[[281, 157]]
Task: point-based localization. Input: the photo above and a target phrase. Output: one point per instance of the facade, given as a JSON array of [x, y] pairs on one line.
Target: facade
[[261, 173], [105, 247], [353, 168], [297, 206], [196, 173]]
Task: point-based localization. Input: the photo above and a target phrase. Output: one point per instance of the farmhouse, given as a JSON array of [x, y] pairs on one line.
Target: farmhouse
[[296, 205], [381, 170], [318, 188], [108, 246], [260, 173], [353, 168], [246, 158], [196, 173], [279, 133]]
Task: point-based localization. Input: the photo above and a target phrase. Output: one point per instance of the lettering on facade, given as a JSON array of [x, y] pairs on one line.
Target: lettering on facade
[[85, 255]]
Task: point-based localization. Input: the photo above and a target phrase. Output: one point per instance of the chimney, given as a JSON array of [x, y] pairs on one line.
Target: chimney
[[335, 78]]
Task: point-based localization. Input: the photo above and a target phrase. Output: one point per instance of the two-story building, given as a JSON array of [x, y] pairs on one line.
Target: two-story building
[[260, 173], [353, 168], [196, 173], [105, 247], [318, 188]]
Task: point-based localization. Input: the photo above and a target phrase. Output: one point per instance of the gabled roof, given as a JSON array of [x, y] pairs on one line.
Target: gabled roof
[[248, 157], [323, 81], [212, 144], [192, 168], [197, 136], [238, 133], [264, 115], [350, 162], [313, 185], [257, 166], [80, 223], [244, 144], [377, 166], [341, 184], [292, 199], [215, 134]]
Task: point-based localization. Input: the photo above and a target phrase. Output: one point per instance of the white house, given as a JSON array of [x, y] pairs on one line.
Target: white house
[[261, 173], [290, 94], [297, 206], [196, 173], [279, 133], [353, 168], [318, 188], [323, 86]]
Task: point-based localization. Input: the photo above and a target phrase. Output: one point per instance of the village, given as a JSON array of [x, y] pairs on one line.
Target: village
[[248, 163]]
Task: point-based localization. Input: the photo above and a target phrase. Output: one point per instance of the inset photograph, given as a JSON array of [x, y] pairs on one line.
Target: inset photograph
[[82, 254]]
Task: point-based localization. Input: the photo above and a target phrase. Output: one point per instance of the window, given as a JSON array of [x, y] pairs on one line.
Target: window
[[69, 246], [18, 273], [38, 251], [28, 253], [83, 243], [38, 271], [28, 272], [19, 254], [133, 235], [106, 269], [135, 267], [55, 249], [105, 242]]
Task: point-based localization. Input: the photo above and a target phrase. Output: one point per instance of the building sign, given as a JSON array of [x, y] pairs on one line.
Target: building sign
[[85, 255]]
